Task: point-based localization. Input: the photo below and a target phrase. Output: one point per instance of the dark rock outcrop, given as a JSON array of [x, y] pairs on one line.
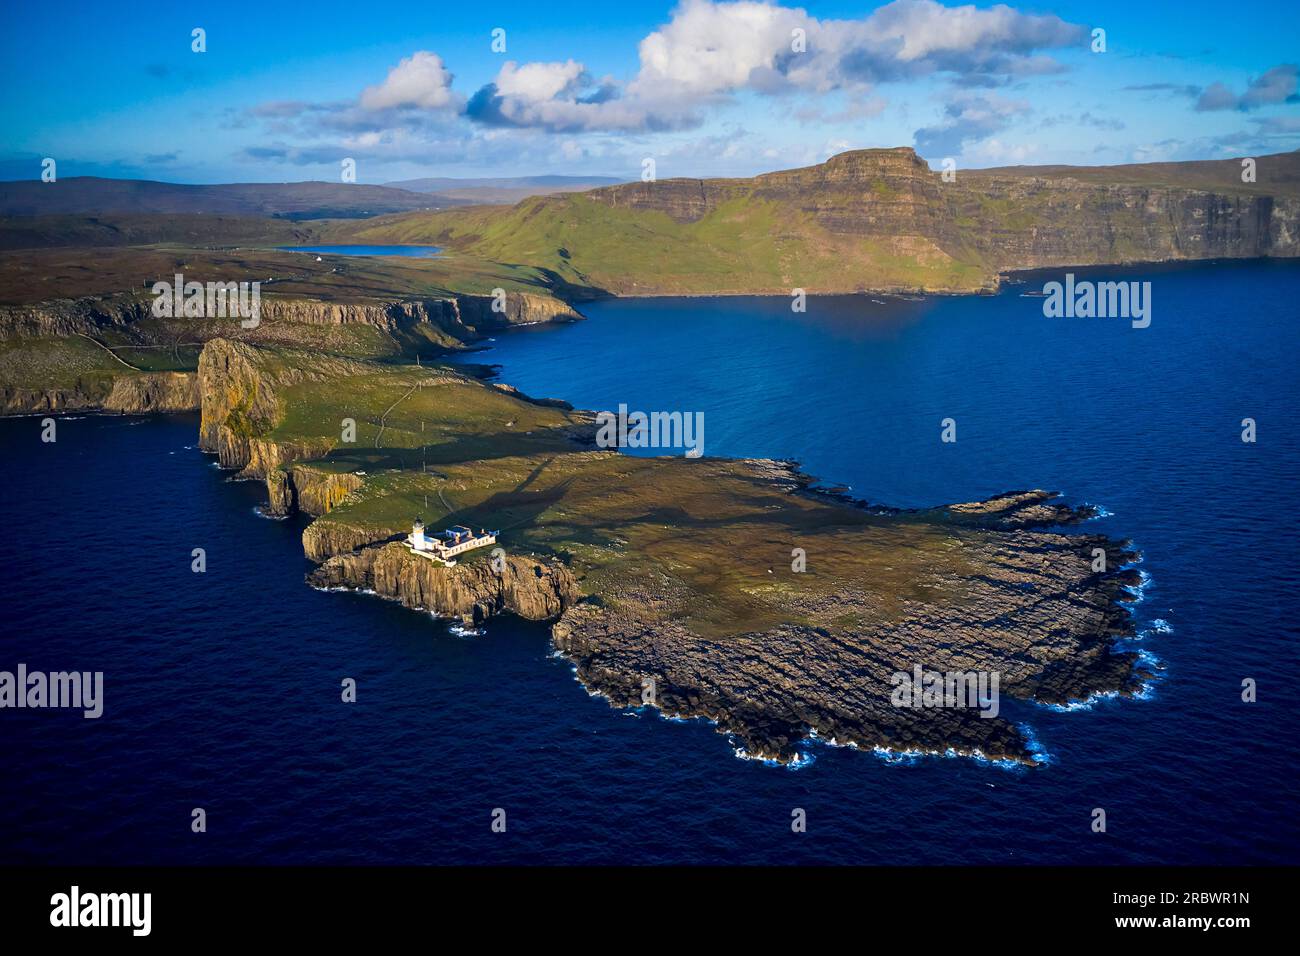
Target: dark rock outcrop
[[1033, 611], [472, 591]]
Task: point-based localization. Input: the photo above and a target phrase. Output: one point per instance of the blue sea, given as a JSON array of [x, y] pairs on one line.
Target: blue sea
[[222, 689]]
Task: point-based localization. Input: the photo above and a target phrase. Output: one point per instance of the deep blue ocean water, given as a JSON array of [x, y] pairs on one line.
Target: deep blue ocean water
[[222, 689]]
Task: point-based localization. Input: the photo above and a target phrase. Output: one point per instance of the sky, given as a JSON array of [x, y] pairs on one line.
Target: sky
[[289, 91]]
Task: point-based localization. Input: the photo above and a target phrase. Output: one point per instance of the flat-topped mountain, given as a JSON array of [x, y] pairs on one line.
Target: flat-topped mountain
[[875, 219]]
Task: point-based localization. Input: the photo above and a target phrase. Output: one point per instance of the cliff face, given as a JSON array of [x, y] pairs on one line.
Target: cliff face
[[453, 321], [997, 219], [129, 394], [309, 490], [62, 317], [460, 318], [239, 389], [28, 401], [1076, 223], [323, 540], [875, 192], [154, 392], [237, 401], [473, 592]]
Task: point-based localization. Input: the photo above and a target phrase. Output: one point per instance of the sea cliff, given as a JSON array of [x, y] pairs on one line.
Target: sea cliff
[[77, 354], [875, 220], [129, 393], [532, 589]]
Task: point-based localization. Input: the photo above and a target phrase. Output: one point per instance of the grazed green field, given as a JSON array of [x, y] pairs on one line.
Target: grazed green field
[[444, 415], [745, 245], [704, 541]]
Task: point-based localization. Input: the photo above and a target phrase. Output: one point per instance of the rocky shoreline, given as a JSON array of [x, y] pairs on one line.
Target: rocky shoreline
[[1001, 586], [834, 684], [1047, 624]]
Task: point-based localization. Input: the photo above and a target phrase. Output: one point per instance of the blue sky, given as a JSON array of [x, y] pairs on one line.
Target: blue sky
[[286, 92]]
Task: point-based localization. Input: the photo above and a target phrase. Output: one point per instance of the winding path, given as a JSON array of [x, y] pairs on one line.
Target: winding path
[[91, 338], [383, 419]]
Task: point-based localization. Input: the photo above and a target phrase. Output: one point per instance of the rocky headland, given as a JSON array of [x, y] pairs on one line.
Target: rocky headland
[[676, 574], [667, 582]]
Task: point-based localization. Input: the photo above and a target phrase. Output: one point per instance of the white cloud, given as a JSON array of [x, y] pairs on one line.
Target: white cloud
[[420, 80], [709, 48], [709, 51], [536, 82], [712, 48], [704, 57]]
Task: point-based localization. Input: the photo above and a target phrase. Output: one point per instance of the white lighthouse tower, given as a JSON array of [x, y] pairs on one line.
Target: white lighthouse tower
[[417, 536]]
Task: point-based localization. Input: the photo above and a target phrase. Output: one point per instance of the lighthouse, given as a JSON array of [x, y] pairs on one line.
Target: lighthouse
[[417, 535]]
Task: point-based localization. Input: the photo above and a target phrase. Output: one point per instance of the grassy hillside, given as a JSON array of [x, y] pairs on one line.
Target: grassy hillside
[[745, 245], [871, 220]]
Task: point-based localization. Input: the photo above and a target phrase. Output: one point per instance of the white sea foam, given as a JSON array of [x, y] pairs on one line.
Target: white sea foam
[[1088, 703], [912, 755], [1145, 691], [1138, 591], [1035, 746], [801, 759]]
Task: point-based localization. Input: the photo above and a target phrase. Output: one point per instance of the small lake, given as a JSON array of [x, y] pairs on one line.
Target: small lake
[[407, 252]]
